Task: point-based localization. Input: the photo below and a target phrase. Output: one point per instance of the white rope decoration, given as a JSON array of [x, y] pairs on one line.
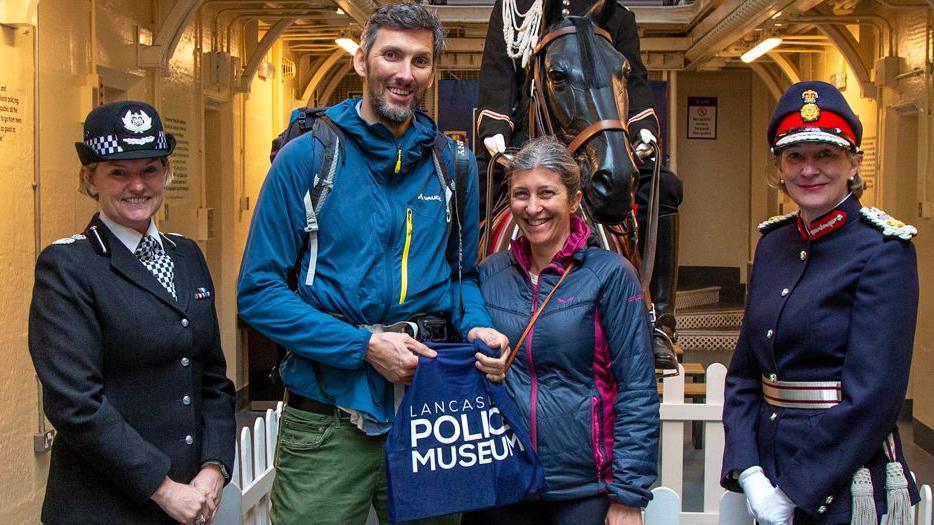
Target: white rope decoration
[[521, 38]]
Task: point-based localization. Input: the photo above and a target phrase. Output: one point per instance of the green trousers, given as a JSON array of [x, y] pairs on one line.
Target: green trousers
[[328, 472]]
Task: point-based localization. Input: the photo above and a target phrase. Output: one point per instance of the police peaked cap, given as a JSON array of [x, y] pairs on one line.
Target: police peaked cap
[[814, 112], [122, 131]]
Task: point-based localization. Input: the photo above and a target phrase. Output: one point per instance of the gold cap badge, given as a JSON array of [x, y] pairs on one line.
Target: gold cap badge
[[810, 111]]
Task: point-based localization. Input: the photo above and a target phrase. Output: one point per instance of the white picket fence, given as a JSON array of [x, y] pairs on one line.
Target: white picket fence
[[246, 498]]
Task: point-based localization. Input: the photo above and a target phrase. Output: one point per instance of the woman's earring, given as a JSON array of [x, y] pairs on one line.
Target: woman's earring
[[781, 182], [851, 179]]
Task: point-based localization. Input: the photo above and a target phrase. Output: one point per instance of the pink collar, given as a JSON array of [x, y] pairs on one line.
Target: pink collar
[[575, 242]]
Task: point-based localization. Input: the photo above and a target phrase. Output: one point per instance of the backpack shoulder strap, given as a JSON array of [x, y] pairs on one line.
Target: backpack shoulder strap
[[461, 161], [457, 184], [330, 137], [332, 142]]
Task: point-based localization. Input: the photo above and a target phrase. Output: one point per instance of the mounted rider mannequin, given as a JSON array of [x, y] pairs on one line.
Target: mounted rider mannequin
[[503, 121]]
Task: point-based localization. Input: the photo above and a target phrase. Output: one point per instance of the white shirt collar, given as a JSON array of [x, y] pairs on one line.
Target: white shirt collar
[[128, 236]]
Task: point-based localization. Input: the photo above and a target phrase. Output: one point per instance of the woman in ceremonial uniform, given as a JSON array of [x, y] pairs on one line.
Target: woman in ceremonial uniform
[[124, 337], [819, 374]]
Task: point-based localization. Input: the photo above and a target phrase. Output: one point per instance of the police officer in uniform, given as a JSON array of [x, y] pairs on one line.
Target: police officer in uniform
[[503, 121], [124, 337], [820, 372]]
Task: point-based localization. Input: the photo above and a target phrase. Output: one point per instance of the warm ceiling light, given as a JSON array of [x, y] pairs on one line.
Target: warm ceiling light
[[339, 11], [760, 49], [347, 44]]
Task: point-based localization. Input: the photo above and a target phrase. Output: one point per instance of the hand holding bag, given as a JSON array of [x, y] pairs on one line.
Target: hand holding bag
[[458, 442]]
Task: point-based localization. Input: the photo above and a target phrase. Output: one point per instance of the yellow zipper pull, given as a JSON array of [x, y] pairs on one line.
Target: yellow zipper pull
[[405, 256], [398, 160]]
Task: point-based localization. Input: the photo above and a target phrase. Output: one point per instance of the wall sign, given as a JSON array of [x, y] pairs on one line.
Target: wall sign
[[11, 119], [180, 185], [702, 117]]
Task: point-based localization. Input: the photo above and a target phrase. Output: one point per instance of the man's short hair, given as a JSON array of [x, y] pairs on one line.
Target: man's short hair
[[403, 16]]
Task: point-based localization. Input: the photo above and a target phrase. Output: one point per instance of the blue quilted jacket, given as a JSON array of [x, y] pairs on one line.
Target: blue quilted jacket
[[585, 377]]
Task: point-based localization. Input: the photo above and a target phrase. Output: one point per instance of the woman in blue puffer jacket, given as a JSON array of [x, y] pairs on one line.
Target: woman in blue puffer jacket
[[584, 377]]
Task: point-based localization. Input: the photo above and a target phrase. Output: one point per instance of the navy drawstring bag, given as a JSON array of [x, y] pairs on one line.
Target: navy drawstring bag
[[457, 443]]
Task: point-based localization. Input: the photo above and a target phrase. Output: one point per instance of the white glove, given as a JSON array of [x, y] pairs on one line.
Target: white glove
[[644, 146], [495, 144], [765, 502]]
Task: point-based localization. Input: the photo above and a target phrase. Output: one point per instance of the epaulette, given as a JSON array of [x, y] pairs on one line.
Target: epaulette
[[775, 221], [888, 225], [70, 240]]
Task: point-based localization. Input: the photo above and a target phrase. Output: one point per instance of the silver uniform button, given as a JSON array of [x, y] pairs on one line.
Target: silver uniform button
[[185, 323], [785, 291], [829, 500], [189, 440], [773, 377], [768, 335], [186, 361], [773, 417], [804, 255], [822, 509], [186, 400]]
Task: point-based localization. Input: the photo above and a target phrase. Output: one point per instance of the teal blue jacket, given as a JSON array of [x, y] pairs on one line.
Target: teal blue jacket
[[381, 256]]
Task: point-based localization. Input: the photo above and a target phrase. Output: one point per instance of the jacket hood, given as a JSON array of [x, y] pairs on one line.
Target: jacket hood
[[576, 242], [380, 148]]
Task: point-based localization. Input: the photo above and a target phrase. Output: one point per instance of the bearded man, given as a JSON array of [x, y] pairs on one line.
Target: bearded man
[[380, 262]]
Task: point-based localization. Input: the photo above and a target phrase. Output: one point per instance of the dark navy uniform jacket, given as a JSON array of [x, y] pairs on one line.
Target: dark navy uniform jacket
[[839, 307], [133, 380]]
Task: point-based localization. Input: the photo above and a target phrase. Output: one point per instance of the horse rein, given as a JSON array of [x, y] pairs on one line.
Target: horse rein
[[488, 215]]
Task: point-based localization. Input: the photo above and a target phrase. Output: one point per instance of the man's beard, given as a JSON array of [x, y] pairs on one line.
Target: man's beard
[[386, 111]]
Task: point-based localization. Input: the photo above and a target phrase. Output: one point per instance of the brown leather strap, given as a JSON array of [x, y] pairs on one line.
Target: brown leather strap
[[515, 349], [567, 30], [538, 100], [593, 129]]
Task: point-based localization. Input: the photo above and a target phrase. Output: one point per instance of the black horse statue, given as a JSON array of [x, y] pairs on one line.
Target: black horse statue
[[577, 81]]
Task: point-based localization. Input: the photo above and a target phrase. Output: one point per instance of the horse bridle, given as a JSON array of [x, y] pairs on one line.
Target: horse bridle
[[543, 120], [540, 120]]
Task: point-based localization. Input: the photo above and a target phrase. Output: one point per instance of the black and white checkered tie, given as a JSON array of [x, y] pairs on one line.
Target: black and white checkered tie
[[150, 253]]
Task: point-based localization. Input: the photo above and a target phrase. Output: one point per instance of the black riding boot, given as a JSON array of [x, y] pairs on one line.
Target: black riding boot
[[663, 288]]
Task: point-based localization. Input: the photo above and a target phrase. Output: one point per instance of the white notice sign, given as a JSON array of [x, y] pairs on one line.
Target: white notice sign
[[702, 117]]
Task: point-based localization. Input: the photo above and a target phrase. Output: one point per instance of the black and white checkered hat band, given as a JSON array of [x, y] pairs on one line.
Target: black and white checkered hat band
[[106, 145], [161, 143]]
